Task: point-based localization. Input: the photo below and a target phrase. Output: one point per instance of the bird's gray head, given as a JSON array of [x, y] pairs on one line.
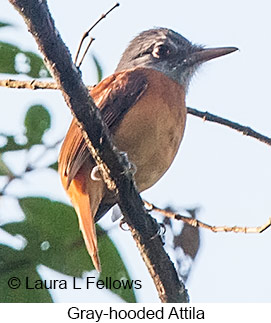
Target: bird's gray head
[[164, 50]]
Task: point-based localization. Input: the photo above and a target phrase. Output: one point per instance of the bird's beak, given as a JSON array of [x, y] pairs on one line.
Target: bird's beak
[[206, 54]]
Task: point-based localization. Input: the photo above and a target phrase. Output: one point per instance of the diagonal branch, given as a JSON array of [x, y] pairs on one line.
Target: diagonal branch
[[143, 227], [246, 131]]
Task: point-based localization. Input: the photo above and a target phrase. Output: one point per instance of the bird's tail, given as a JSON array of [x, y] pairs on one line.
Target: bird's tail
[[86, 201]]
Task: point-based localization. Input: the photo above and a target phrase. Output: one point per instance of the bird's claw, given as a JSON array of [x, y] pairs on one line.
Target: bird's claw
[[160, 232], [121, 224], [130, 167], [95, 174]]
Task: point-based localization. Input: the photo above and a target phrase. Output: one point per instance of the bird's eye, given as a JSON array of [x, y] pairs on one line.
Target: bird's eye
[[161, 51]]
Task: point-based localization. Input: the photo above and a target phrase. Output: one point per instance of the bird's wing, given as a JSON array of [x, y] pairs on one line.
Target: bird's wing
[[114, 96]]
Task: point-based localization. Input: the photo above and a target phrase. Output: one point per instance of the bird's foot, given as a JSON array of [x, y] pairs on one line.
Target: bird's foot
[[131, 167], [95, 174], [160, 233], [122, 225]]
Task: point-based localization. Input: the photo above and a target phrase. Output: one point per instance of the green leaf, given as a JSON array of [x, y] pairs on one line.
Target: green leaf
[[8, 53], [38, 68], [4, 170], [54, 240], [54, 166], [113, 266], [11, 145], [37, 121], [98, 68], [16, 61], [15, 266], [4, 24]]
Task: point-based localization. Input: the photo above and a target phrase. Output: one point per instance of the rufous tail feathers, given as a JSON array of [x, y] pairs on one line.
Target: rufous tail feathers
[[86, 200]]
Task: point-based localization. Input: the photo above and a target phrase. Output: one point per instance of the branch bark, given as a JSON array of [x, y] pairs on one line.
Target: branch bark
[[30, 85], [199, 224], [143, 227], [246, 131]]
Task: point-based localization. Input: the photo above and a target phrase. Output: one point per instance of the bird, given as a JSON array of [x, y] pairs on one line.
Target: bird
[[143, 105]]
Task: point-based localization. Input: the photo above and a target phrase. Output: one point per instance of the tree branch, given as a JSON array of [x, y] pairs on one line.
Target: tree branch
[[246, 131], [196, 223], [30, 85], [143, 227], [86, 34]]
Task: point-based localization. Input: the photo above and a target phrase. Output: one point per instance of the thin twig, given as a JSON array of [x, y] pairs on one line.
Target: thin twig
[[85, 52], [197, 223], [246, 131], [29, 167], [30, 85], [86, 34]]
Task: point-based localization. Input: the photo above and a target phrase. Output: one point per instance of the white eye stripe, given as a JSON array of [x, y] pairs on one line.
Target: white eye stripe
[[161, 51], [155, 52]]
